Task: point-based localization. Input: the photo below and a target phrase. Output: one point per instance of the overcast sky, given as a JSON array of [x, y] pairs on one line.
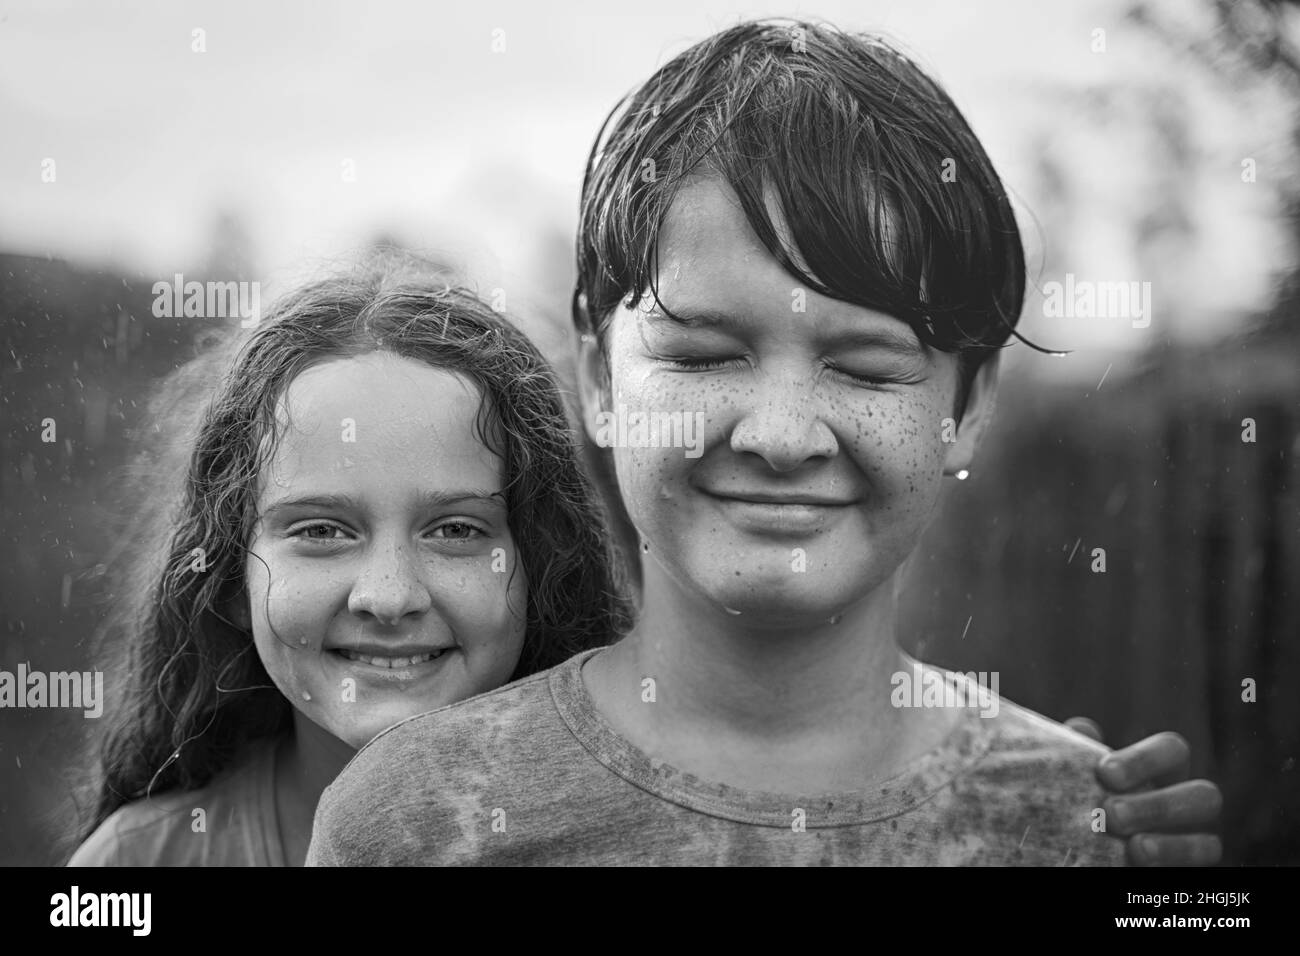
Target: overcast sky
[[456, 147]]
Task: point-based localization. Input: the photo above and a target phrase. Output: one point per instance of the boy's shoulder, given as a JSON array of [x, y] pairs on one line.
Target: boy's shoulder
[[1025, 745], [439, 779], [502, 722], [226, 823], [1037, 781]]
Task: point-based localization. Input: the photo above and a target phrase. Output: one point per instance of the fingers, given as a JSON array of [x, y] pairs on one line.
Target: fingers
[[1181, 808], [1087, 727], [1158, 760], [1193, 849]]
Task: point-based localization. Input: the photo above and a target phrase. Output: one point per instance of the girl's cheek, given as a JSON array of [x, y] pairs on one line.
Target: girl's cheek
[[289, 626], [484, 601], [290, 614], [297, 606]]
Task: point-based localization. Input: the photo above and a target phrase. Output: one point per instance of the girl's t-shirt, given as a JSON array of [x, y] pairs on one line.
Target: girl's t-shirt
[[238, 825], [532, 773]]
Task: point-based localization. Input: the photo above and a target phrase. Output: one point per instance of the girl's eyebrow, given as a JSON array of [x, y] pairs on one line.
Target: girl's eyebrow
[[341, 502], [440, 498]]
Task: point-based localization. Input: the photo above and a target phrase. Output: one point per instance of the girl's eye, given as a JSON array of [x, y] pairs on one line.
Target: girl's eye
[[457, 531], [320, 531]]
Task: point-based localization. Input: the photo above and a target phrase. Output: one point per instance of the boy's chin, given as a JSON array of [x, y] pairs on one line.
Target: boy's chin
[[780, 604]]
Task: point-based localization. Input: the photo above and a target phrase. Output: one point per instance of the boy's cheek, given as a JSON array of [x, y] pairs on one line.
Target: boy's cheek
[[648, 480], [903, 435]]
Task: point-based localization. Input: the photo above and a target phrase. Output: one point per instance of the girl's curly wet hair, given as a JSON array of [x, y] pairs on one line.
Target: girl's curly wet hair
[[191, 690]]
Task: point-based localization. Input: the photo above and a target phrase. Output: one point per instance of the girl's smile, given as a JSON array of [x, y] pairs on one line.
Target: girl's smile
[[380, 663]]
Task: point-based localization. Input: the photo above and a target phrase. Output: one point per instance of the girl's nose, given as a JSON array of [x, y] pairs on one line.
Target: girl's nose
[[784, 427], [389, 587]]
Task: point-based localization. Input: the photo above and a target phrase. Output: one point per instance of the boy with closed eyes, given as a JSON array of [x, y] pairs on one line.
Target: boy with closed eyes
[[766, 240]]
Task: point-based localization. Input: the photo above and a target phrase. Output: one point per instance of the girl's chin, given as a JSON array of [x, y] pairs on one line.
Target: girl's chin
[[357, 734]]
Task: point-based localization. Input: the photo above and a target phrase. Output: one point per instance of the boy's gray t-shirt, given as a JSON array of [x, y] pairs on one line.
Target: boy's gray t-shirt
[[531, 774]]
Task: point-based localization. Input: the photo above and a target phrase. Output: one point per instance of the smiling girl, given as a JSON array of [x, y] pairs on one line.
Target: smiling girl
[[383, 513]]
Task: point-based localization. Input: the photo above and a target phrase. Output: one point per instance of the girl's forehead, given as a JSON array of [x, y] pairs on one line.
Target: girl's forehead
[[380, 415], [383, 392], [377, 374]]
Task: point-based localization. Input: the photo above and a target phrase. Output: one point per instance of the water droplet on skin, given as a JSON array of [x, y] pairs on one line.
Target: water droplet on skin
[[302, 640], [731, 611], [645, 548], [306, 696], [834, 620]]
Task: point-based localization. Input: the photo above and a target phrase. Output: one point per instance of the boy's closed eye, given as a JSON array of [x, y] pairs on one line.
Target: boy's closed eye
[[875, 376], [709, 341]]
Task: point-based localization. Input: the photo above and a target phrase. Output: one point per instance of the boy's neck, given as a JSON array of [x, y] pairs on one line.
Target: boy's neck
[[308, 761], [800, 709]]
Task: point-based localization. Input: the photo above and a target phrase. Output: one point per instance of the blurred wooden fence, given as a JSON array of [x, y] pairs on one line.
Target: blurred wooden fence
[[1201, 588]]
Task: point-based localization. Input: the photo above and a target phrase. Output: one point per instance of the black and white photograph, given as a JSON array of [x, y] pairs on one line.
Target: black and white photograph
[[691, 434]]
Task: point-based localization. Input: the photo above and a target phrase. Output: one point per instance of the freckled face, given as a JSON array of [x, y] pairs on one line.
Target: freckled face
[[383, 578], [822, 454]]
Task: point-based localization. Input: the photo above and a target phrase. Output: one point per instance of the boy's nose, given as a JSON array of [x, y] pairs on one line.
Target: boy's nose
[[784, 427], [390, 586]]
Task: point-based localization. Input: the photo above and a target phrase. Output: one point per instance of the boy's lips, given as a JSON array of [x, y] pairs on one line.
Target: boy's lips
[[780, 498], [770, 513]]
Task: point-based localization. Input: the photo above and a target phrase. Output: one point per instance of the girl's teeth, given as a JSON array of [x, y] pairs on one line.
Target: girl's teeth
[[390, 662]]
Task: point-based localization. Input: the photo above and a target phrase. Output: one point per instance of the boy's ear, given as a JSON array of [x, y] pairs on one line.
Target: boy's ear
[[975, 421], [593, 383]]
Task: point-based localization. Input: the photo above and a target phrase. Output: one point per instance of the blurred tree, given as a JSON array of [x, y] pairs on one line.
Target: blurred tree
[[1253, 45]]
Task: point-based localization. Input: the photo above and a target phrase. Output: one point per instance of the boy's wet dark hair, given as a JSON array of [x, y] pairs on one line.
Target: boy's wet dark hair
[[853, 140]]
